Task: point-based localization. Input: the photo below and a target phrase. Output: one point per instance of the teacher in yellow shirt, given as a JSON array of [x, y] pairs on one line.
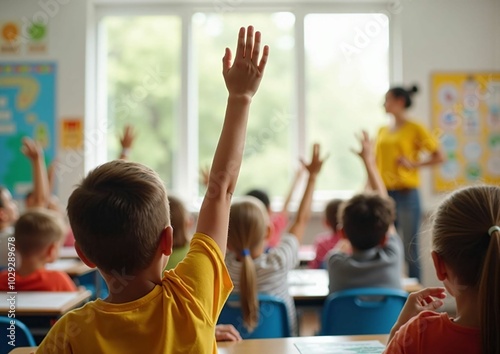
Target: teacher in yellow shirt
[[402, 148]]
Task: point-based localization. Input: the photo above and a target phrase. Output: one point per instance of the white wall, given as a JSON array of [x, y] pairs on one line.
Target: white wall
[[436, 35]]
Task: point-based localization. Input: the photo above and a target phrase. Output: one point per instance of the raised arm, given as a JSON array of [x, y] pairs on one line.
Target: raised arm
[[293, 186], [303, 214], [368, 157], [126, 141], [242, 80], [40, 180], [374, 178]]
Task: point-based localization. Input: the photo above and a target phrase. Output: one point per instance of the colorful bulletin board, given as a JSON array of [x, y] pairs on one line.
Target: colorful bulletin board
[[466, 113], [27, 108]]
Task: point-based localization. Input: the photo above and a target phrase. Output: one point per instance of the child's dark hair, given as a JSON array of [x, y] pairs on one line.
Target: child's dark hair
[[178, 218], [366, 219], [461, 236], [332, 212], [117, 215], [406, 94], [260, 195], [36, 229]]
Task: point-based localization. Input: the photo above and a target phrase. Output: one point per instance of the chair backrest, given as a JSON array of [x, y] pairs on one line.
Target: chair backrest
[[362, 311], [14, 334], [273, 317]]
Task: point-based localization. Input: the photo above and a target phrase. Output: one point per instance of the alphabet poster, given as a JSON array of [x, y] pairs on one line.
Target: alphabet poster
[[466, 113], [27, 108]]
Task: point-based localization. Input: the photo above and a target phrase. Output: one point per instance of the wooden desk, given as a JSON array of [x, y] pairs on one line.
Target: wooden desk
[[285, 345], [44, 303], [23, 350], [73, 267], [311, 285], [267, 346]]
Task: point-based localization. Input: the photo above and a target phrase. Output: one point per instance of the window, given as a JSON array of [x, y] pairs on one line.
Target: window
[[325, 81], [267, 154], [347, 70], [143, 87]]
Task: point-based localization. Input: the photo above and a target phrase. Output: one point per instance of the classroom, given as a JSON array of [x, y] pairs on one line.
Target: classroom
[[85, 83]]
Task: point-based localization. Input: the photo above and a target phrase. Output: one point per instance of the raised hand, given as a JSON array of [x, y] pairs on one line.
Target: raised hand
[[128, 137], [31, 149], [243, 77], [366, 152], [316, 162]]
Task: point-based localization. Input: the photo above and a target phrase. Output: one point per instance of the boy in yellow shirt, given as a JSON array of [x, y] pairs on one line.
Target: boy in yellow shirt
[[120, 218]]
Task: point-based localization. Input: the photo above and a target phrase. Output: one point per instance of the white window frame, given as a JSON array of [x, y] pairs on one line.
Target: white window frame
[[185, 169]]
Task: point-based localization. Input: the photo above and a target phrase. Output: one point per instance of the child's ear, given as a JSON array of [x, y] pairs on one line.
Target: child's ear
[[342, 233], [269, 232], [52, 252], [384, 241], [167, 240], [83, 257], [439, 266]]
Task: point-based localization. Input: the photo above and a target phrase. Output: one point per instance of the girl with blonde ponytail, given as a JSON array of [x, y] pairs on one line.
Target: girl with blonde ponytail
[[251, 269], [466, 255]]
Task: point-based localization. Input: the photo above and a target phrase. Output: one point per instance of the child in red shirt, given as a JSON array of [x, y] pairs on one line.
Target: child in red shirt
[[38, 235], [466, 247]]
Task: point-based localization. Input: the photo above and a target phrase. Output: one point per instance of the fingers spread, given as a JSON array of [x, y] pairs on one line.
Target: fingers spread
[[263, 60], [240, 46], [226, 60], [249, 44], [256, 48]]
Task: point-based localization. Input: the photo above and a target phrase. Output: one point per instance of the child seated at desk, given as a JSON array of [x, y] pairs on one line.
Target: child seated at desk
[[38, 236], [326, 241], [376, 255], [120, 217], [254, 271]]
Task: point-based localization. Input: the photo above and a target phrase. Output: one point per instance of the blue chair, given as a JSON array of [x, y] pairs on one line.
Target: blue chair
[[362, 311], [17, 334], [273, 317]]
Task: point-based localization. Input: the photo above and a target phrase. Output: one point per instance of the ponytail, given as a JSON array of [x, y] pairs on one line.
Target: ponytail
[[489, 295], [248, 293], [465, 236], [248, 223]]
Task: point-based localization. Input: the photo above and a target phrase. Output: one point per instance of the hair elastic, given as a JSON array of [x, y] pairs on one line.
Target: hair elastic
[[492, 229], [245, 252]]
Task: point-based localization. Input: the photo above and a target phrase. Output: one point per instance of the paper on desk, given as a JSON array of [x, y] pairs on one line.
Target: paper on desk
[[322, 347]]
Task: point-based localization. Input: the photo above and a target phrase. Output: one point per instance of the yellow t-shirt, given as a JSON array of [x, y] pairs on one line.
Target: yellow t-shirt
[[177, 317], [409, 141]]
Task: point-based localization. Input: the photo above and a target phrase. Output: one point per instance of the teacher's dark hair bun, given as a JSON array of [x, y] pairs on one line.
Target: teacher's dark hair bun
[[413, 89], [401, 93]]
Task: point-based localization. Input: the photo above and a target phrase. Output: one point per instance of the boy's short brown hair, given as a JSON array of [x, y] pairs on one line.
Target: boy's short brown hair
[[117, 214], [36, 229], [366, 219]]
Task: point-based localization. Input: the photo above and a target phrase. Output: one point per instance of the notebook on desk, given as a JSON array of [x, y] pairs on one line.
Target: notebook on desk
[[323, 347]]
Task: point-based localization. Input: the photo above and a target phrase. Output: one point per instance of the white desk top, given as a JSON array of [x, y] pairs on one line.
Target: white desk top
[[68, 252], [43, 303], [312, 284], [73, 267]]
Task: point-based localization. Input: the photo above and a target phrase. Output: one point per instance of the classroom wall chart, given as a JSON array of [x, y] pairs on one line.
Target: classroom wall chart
[[466, 116], [27, 108]]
